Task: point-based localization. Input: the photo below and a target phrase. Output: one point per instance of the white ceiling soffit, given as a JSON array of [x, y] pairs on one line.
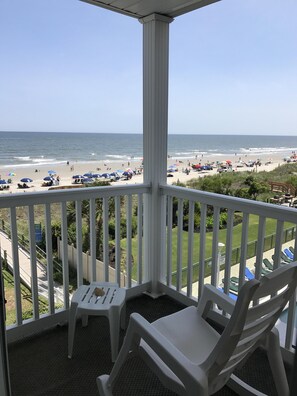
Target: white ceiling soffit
[[141, 8]]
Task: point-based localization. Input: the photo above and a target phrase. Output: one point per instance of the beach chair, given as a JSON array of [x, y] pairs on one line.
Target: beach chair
[[268, 264], [284, 257], [248, 274], [233, 279], [289, 254], [265, 271], [233, 287], [191, 358]]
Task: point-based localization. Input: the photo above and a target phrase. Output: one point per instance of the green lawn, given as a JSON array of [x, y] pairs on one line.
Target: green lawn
[[252, 236]]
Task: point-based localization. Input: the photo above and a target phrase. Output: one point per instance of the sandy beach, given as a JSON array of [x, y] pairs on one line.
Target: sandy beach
[[66, 171]]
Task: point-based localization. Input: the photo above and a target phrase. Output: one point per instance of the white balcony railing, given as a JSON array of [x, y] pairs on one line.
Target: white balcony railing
[[190, 257], [262, 230], [55, 205]]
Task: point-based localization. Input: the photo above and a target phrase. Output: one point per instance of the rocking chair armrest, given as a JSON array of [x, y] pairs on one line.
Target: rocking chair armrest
[[212, 295], [178, 363]]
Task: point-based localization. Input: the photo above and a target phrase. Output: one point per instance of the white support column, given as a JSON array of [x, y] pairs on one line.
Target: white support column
[[155, 131]]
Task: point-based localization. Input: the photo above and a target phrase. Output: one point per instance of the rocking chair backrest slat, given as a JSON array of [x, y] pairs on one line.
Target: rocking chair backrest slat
[[249, 324], [269, 306]]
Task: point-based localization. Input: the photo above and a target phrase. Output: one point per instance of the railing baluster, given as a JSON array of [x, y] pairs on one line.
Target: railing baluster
[[16, 267], [169, 241], [190, 248], [228, 257], [93, 238], [79, 261], [278, 243], [260, 247], [179, 255], [243, 248], [33, 262], [292, 311], [129, 239], [105, 239], [139, 235], [203, 208], [291, 322], [65, 265], [118, 239], [49, 257], [215, 240]]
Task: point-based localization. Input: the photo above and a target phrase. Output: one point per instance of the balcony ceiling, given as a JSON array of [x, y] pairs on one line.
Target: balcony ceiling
[[143, 8]]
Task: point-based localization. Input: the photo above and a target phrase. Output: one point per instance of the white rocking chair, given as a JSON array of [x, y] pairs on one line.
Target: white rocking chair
[[191, 358]]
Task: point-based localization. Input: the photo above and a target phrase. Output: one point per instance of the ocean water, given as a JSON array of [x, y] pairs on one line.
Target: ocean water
[[30, 149]]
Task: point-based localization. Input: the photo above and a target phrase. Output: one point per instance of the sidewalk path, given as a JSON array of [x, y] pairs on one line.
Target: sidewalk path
[[25, 267]]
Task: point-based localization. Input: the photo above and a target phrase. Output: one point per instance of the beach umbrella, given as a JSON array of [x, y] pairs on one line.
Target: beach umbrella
[[2, 181], [78, 177], [26, 180], [51, 172], [89, 175], [11, 174], [115, 175], [48, 178]]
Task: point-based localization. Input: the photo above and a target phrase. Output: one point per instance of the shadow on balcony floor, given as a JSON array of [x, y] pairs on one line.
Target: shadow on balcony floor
[[39, 365]]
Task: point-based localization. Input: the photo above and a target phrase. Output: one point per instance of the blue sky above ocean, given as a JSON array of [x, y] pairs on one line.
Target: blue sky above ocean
[[70, 66]]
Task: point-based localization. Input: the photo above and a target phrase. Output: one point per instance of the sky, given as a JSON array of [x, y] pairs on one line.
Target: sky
[[68, 66]]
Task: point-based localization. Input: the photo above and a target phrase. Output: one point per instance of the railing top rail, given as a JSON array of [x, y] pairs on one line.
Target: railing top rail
[[277, 212], [35, 198]]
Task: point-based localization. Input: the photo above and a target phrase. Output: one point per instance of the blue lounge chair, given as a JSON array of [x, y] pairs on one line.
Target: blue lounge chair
[[248, 273], [285, 258], [289, 254]]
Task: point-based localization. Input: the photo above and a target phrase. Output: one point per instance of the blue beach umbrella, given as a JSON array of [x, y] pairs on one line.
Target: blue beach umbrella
[[26, 180], [2, 181], [78, 177], [48, 178], [89, 175], [51, 172]]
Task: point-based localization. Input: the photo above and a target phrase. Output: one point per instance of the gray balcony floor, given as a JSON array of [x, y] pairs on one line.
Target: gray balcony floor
[[39, 365]]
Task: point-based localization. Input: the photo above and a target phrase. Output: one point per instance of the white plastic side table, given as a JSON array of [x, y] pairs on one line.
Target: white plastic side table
[[111, 305]]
